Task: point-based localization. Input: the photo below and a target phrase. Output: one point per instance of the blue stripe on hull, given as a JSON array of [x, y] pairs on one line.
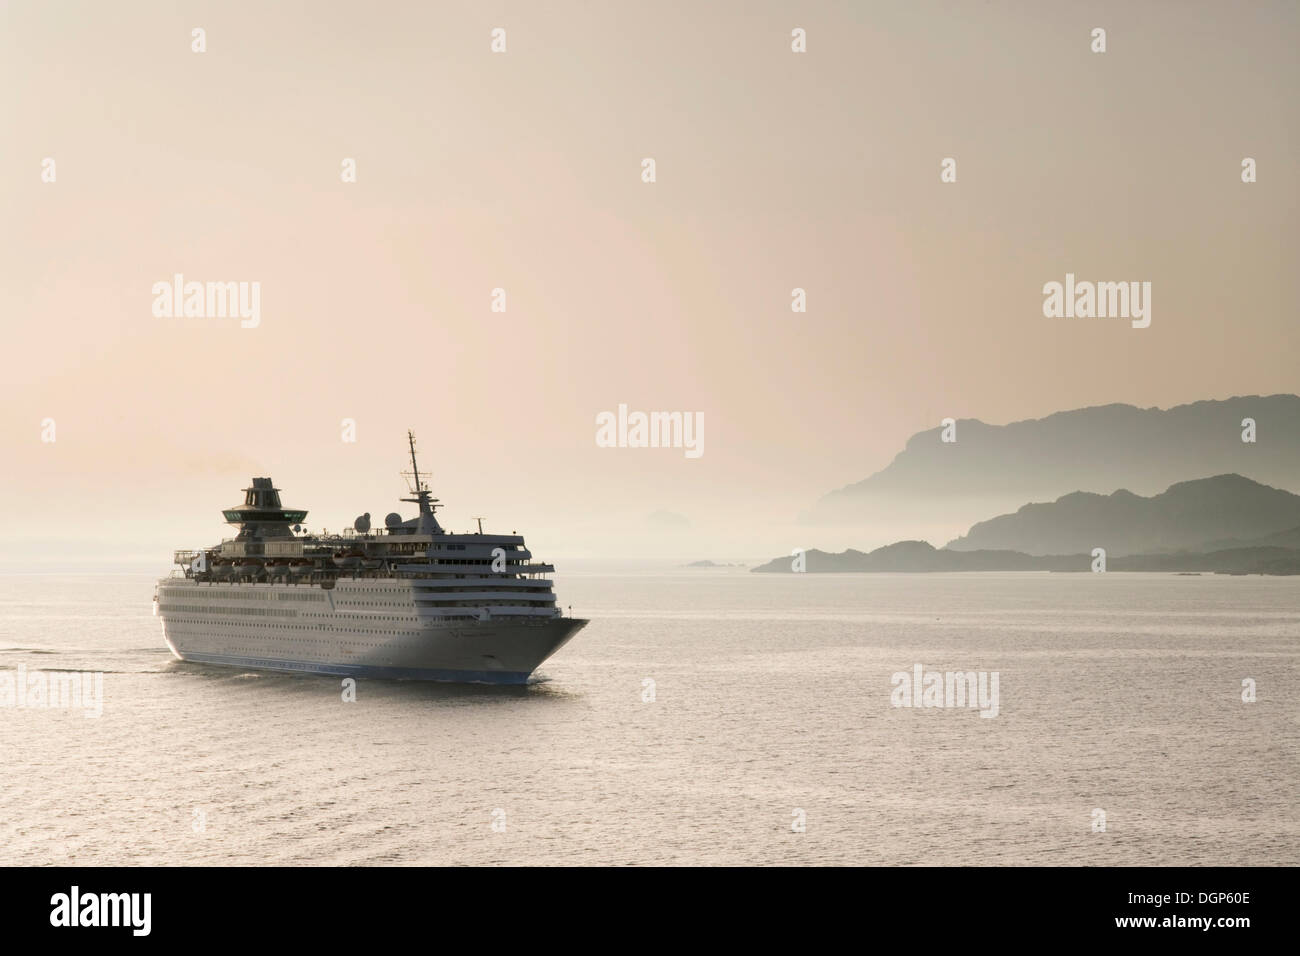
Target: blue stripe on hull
[[363, 670]]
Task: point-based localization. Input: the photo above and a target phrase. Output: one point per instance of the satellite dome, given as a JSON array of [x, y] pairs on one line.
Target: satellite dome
[[393, 520], [362, 524]]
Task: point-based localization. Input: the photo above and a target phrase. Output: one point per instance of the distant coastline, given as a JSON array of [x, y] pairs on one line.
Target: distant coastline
[[921, 556]]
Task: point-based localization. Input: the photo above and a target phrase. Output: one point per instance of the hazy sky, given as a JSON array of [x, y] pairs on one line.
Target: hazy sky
[[522, 170]]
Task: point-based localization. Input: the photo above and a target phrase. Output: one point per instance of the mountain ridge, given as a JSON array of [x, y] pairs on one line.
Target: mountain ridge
[[1188, 515], [922, 557], [1096, 448]]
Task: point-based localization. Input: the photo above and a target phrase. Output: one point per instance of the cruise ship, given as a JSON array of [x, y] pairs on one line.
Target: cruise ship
[[410, 601]]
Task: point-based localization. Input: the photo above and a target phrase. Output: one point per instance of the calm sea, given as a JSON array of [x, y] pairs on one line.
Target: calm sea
[[1119, 693]]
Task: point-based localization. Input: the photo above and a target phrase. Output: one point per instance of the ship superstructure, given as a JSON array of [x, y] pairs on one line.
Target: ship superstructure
[[409, 601]]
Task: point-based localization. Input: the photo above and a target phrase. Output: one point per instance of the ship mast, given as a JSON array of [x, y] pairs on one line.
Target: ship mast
[[428, 523], [410, 437]]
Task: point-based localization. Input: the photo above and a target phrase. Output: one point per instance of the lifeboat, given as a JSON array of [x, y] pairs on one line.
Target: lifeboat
[[301, 567], [249, 566], [347, 559]]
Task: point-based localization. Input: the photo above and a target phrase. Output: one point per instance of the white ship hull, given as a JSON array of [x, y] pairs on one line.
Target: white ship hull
[[364, 627]]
